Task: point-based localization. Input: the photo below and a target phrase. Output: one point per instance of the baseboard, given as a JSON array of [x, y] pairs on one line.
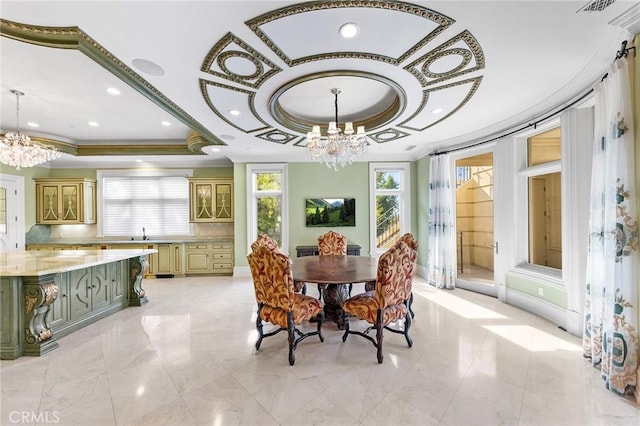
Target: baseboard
[[241, 271], [549, 311], [421, 271]]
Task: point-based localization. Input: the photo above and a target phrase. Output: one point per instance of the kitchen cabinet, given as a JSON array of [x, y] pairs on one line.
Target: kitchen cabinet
[[139, 246], [169, 259], [211, 200], [88, 291], [65, 200], [209, 258]]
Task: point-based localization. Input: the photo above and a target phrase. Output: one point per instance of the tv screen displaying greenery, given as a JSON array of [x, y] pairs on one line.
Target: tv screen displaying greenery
[[330, 212]]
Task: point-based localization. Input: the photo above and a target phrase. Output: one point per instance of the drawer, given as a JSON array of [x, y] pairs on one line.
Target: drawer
[[222, 256], [222, 266], [197, 247], [222, 246]]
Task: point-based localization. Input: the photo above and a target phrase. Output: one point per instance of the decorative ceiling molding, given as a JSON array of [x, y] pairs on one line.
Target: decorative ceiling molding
[[473, 82], [277, 136], [224, 51], [255, 24], [119, 150], [75, 38], [387, 135], [250, 95], [373, 121], [420, 68]]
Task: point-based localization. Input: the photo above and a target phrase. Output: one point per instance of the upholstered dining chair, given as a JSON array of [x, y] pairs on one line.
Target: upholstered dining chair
[[265, 240], [408, 285], [331, 243], [387, 303], [278, 303]]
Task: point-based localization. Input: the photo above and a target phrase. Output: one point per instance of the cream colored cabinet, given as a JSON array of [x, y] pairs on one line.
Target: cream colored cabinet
[[169, 259], [209, 258], [65, 200], [211, 200]]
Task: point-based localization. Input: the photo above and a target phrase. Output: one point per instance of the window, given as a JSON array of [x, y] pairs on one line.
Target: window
[[156, 201], [390, 200], [545, 199], [267, 190]]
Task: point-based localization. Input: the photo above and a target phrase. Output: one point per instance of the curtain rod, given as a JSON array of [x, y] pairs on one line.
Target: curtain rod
[[623, 52]]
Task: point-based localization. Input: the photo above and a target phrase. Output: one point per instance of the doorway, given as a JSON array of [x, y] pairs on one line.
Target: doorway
[[475, 242], [12, 237]]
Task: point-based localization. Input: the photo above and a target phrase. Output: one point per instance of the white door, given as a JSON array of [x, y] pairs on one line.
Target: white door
[[11, 213]]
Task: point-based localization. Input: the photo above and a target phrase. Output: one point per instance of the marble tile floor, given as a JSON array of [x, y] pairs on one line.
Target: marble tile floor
[[188, 358]]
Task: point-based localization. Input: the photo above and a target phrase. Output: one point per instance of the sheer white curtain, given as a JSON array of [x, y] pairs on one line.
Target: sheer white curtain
[[611, 313], [441, 264]]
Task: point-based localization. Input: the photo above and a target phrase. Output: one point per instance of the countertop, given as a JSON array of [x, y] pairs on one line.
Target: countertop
[[37, 263], [96, 241]]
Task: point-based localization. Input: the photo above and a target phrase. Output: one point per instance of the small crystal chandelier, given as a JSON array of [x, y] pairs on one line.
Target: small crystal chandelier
[[19, 150], [337, 147]]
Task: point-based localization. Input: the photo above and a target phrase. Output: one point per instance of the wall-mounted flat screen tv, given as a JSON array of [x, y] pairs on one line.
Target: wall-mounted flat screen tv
[[330, 212]]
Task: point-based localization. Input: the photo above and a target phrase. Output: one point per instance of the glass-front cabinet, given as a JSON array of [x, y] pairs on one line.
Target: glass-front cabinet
[[68, 201], [211, 200]]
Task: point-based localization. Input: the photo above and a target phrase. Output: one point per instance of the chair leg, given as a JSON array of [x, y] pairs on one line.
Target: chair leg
[[346, 326], [379, 337], [259, 327], [292, 338], [407, 326], [350, 288], [409, 305], [320, 321], [319, 291]]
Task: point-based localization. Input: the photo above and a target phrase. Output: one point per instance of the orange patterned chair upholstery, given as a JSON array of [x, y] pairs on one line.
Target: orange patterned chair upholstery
[[387, 303], [331, 243], [413, 244], [265, 240], [277, 301]]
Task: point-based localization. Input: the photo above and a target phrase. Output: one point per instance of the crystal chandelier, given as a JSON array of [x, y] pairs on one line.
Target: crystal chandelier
[[19, 150], [337, 147]]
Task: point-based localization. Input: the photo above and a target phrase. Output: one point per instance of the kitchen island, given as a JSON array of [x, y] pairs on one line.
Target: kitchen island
[[49, 294]]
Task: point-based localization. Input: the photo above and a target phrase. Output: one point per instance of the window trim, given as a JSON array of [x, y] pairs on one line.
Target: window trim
[[101, 174], [252, 212], [521, 203], [405, 200]]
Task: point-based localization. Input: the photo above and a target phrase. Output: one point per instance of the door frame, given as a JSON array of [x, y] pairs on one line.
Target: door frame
[[15, 240], [499, 259]]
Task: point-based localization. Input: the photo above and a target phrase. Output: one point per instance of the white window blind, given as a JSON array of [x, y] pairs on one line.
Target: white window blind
[[160, 204]]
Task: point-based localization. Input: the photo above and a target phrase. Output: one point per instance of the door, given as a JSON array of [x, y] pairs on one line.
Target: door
[[12, 236], [475, 242]]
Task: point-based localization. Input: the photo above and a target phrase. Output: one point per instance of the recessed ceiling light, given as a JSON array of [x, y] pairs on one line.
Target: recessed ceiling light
[[214, 149], [165, 123], [32, 124], [93, 124], [148, 67], [234, 112], [113, 91], [436, 111], [227, 137], [139, 160], [349, 30]]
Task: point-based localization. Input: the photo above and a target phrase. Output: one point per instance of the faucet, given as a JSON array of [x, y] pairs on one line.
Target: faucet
[[144, 237]]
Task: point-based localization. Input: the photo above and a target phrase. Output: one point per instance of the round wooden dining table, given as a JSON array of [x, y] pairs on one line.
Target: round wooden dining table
[[335, 271]]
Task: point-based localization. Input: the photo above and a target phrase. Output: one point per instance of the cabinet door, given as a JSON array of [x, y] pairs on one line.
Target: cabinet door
[[119, 281], [49, 198], [100, 280], [163, 259], [79, 293], [224, 202], [177, 251], [70, 211], [202, 201], [58, 310], [197, 262]]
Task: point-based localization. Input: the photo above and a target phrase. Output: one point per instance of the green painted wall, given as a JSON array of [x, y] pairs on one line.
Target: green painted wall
[[314, 180], [529, 286], [240, 214], [421, 210]]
